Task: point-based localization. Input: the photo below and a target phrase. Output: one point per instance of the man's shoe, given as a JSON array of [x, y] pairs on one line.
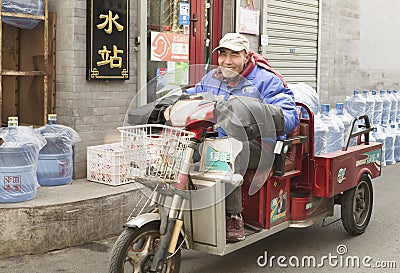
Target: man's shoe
[[234, 228]]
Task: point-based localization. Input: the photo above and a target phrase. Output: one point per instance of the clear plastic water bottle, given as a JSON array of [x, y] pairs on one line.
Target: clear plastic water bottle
[[369, 104], [387, 104], [320, 135], [355, 105], [334, 140], [378, 135], [393, 106], [377, 119]]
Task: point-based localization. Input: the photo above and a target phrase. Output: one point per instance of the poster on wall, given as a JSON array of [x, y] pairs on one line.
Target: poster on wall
[[249, 21], [169, 47], [107, 40]]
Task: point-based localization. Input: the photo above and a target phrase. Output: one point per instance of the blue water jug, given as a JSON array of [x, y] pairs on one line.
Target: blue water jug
[[356, 104], [320, 135], [31, 7], [377, 118], [369, 104], [346, 119], [18, 172], [55, 165]]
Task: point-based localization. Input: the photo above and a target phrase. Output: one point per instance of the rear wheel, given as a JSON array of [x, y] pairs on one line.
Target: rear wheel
[[134, 251], [357, 206]]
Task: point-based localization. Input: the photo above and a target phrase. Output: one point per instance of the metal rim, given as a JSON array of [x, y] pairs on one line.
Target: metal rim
[[361, 203], [141, 251]]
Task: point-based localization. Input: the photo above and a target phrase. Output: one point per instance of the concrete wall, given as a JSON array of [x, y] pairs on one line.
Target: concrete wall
[[94, 109], [65, 216], [358, 47]]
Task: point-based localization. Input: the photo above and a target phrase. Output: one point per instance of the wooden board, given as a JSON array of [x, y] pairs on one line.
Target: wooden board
[[23, 50]]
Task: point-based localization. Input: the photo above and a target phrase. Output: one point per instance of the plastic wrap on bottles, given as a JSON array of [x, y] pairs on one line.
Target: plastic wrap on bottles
[[393, 106], [339, 123], [389, 145], [32, 7], [369, 105], [397, 144], [377, 118], [22, 135], [55, 166], [378, 135], [346, 118], [305, 94], [18, 163], [334, 139], [60, 138], [396, 94], [320, 135], [387, 104], [355, 104]]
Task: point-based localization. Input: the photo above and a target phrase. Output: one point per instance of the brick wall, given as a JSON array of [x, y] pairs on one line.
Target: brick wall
[[341, 71], [94, 109]]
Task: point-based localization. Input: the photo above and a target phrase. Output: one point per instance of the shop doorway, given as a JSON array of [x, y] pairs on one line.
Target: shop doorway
[[180, 33]]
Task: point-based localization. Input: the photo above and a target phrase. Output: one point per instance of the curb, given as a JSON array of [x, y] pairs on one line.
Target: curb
[[64, 216]]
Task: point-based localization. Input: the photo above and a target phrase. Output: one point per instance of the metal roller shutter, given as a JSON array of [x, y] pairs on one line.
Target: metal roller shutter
[[292, 28]]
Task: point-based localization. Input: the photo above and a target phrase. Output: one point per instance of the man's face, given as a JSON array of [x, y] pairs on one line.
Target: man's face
[[232, 62]]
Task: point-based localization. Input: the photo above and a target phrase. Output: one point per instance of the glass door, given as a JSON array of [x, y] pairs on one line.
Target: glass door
[[179, 34]]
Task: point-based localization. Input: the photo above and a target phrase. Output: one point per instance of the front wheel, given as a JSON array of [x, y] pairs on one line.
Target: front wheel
[[357, 206], [134, 251]]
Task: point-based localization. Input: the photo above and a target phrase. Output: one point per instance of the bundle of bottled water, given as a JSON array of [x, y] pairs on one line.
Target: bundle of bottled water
[[307, 95], [333, 125], [383, 111]]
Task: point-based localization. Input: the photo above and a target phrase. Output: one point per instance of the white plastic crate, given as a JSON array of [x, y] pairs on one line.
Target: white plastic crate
[[155, 150], [105, 164]]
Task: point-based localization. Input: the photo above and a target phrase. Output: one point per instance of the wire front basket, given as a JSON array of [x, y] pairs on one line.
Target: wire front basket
[[154, 150]]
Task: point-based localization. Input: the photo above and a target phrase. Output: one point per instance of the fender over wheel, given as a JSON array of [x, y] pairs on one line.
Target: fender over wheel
[[356, 206], [134, 250]]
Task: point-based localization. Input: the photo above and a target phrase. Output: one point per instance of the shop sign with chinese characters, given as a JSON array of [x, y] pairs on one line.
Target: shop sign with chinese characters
[[170, 47], [107, 40]]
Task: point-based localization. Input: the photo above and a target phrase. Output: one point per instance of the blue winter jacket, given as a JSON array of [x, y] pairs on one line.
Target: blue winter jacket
[[262, 85]]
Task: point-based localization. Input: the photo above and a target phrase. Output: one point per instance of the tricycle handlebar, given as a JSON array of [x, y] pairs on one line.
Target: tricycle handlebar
[[367, 128]]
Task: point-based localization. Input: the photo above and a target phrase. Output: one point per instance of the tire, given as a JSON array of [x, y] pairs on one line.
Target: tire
[[356, 207], [130, 254]]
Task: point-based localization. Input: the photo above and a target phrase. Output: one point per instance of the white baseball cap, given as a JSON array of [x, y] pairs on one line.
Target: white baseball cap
[[235, 42]]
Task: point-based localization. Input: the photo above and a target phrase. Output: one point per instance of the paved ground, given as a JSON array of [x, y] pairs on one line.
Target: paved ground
[[381, 242]]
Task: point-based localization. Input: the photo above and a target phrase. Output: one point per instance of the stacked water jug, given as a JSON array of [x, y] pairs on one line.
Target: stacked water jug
[[30, 158], [383, 110], [381, 106]]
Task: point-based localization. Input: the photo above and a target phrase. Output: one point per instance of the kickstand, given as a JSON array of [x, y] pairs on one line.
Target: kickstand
[[325, 225]]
